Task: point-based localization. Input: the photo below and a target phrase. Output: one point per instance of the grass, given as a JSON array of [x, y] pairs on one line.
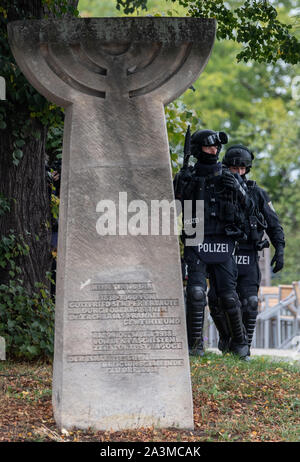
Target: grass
[[254, 401], [236, 401]]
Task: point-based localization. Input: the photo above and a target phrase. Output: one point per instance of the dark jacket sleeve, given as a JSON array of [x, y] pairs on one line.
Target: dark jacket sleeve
[[274, 229]]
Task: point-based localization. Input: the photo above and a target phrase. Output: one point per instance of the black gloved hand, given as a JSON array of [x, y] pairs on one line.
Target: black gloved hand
[[185, 174], [184, 184], [278, 259], [229, 181], [181, 179], [234, 182]]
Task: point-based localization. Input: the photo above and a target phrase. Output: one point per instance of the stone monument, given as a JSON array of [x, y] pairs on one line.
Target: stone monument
[[121, 358]]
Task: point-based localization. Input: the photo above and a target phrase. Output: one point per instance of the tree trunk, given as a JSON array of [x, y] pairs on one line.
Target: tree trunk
[[25, 185]]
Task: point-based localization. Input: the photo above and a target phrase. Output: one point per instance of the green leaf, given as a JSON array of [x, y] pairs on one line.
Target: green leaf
[[19, 143]]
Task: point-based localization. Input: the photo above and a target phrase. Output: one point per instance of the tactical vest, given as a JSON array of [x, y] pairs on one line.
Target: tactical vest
[[221, 209]]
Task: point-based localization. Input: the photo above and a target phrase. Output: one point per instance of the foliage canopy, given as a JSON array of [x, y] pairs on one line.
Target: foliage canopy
[[253, 23]]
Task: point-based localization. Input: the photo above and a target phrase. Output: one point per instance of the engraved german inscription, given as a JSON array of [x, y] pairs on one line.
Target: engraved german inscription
[[138, 327]]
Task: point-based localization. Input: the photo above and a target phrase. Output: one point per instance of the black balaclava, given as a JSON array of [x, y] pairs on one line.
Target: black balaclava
[[207, 138]]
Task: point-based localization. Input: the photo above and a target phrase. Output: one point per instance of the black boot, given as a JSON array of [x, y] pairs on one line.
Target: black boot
[[249, 315], [239, 339], [220, 321], [196, 302]]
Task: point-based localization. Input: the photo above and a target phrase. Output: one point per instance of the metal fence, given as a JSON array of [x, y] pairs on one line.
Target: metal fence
[[278, 321]]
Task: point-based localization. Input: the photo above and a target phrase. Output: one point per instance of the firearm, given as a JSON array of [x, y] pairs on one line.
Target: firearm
[[183, 174], [187, 148]]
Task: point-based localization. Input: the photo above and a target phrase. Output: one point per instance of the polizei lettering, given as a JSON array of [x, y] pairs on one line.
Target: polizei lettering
[[213, 247], [242, 259]]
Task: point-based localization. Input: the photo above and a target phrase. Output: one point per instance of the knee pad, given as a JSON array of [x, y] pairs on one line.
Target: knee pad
[[230, 300], [196, 294], [250, 304], [253, 302]]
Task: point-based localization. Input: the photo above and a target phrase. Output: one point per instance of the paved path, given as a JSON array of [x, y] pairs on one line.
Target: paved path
[[272, 352]]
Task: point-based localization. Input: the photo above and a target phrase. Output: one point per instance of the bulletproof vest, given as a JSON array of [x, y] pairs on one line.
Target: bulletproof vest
[[220, 208]]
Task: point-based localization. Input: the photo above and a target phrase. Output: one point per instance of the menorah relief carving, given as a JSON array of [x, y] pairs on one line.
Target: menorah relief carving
[[138, 59]]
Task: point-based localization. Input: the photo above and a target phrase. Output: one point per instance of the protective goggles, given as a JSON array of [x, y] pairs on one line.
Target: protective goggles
[[216, 139]]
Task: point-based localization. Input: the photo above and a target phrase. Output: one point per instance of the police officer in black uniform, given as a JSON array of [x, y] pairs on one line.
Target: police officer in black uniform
[[225, 203], [238, 159]]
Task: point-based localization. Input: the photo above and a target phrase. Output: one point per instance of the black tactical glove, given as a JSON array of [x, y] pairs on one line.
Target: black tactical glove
[[235, 183], [181, 179], [229, 181], [278, 259]]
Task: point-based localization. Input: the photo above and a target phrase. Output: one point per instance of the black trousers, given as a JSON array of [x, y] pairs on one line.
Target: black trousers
[[248, 276], [222, 276]]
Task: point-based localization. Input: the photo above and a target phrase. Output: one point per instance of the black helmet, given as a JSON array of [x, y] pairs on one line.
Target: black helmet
[[238, 156], [207, 138]]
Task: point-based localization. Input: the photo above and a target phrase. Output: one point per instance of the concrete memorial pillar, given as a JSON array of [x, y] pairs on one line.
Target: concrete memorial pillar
[[121, 358]]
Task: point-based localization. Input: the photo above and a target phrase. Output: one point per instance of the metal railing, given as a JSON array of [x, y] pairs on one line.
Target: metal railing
[[277, 326]]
